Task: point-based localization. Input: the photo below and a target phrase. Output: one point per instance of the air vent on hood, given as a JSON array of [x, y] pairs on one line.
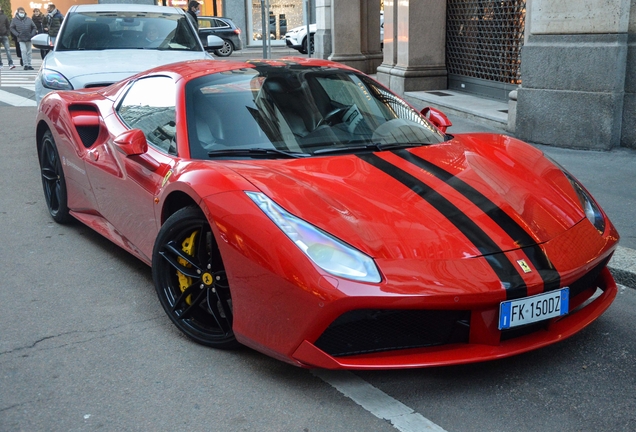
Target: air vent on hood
[[96, 85]]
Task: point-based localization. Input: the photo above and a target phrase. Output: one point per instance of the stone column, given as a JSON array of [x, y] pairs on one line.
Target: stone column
[[322, 39], [414, 45], [390, 44], [347, 34], [573, 73], [371, 48]]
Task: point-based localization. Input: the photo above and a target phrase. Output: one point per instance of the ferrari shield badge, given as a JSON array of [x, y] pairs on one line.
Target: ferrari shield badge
[[524, 266], [165, 178]]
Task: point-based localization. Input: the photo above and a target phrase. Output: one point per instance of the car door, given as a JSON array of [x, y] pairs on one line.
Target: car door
[[125, 185], [213, 26]]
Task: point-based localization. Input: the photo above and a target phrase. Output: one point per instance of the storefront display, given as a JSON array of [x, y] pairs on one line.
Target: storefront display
[[283, 15]]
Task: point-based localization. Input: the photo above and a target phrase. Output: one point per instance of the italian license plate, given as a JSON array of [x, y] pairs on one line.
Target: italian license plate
[[513, 313]]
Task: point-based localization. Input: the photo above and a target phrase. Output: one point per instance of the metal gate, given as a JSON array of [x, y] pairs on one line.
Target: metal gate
[[483, 45]]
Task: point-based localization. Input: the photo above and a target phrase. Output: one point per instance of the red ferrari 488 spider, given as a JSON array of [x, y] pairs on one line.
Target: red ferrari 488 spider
[[302, 209]]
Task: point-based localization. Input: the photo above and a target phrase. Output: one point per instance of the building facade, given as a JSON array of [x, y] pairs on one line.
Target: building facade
[[574, 77], [572, 65]]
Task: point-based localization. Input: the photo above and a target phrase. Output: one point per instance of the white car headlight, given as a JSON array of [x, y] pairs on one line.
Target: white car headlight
[[54, 80], [326, 251]]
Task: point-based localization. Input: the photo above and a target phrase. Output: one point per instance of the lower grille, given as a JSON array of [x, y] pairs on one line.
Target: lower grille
[[373, 330]]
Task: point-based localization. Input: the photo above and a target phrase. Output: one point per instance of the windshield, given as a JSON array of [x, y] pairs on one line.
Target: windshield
[[298, 110], [127, 30]]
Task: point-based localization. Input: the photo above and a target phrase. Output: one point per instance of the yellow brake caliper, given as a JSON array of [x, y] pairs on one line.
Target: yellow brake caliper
[[186, 281]]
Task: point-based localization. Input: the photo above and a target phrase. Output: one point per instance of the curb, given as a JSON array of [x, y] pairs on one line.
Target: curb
[[623, 266]]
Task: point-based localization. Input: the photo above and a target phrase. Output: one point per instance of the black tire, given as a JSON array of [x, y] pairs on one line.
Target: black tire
[[190, 279], [303, 50], [53, 181], [227, 49]]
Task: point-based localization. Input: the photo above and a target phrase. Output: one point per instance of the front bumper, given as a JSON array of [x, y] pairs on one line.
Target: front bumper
[[478, 347], [293, 43], [289, 309]]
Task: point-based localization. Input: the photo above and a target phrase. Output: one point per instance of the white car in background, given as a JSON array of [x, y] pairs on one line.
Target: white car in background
[[297, 37], [100, 44]]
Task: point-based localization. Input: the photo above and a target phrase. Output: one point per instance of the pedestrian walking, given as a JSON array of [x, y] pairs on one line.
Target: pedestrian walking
[[4, 38], [194, 10], [53, 22], [23, 29], [38, 20], [16, 43]]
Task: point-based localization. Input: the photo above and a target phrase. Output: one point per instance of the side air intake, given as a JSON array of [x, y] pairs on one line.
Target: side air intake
[[87, 123]]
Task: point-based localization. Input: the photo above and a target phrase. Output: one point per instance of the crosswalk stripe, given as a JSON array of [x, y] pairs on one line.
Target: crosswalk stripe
[[15, 100], [18, 78]]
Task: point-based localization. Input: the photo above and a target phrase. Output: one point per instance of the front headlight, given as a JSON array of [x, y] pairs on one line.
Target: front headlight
[[591, 209], [54, 80], [326, 251]]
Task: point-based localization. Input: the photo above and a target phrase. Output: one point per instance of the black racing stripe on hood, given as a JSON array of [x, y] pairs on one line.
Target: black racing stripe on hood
[[501, 265], [536, 255]]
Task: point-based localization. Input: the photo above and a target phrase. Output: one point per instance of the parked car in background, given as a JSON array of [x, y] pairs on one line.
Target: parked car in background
[[100, 44], [297, 38], [223, 28]]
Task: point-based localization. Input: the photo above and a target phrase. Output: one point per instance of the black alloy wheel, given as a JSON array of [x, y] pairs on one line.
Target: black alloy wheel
[[227, 49], [190, 279], [303, 50], [53, 180]]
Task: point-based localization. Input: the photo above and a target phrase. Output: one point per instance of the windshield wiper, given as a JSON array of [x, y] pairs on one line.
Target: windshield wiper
[[367, 147], [256, 153]]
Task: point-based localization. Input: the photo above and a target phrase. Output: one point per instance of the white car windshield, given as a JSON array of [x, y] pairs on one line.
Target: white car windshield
[[127, 30]]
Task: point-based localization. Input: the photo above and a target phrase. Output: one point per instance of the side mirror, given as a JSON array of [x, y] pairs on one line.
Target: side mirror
[[438, 118], [132, 143], [214, 42], [42, 41]]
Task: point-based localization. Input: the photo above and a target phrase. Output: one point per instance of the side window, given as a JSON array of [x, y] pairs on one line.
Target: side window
[[220, 23], [149, 105]]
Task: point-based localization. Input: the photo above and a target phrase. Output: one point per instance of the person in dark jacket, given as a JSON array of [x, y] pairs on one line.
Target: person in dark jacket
[[53, 22], [38, 20], [23, 29], [16, 43], [194, 10], [4, 38]]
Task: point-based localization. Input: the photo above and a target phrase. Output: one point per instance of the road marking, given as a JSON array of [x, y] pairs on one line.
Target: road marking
[[377, 402], [15, 100]]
